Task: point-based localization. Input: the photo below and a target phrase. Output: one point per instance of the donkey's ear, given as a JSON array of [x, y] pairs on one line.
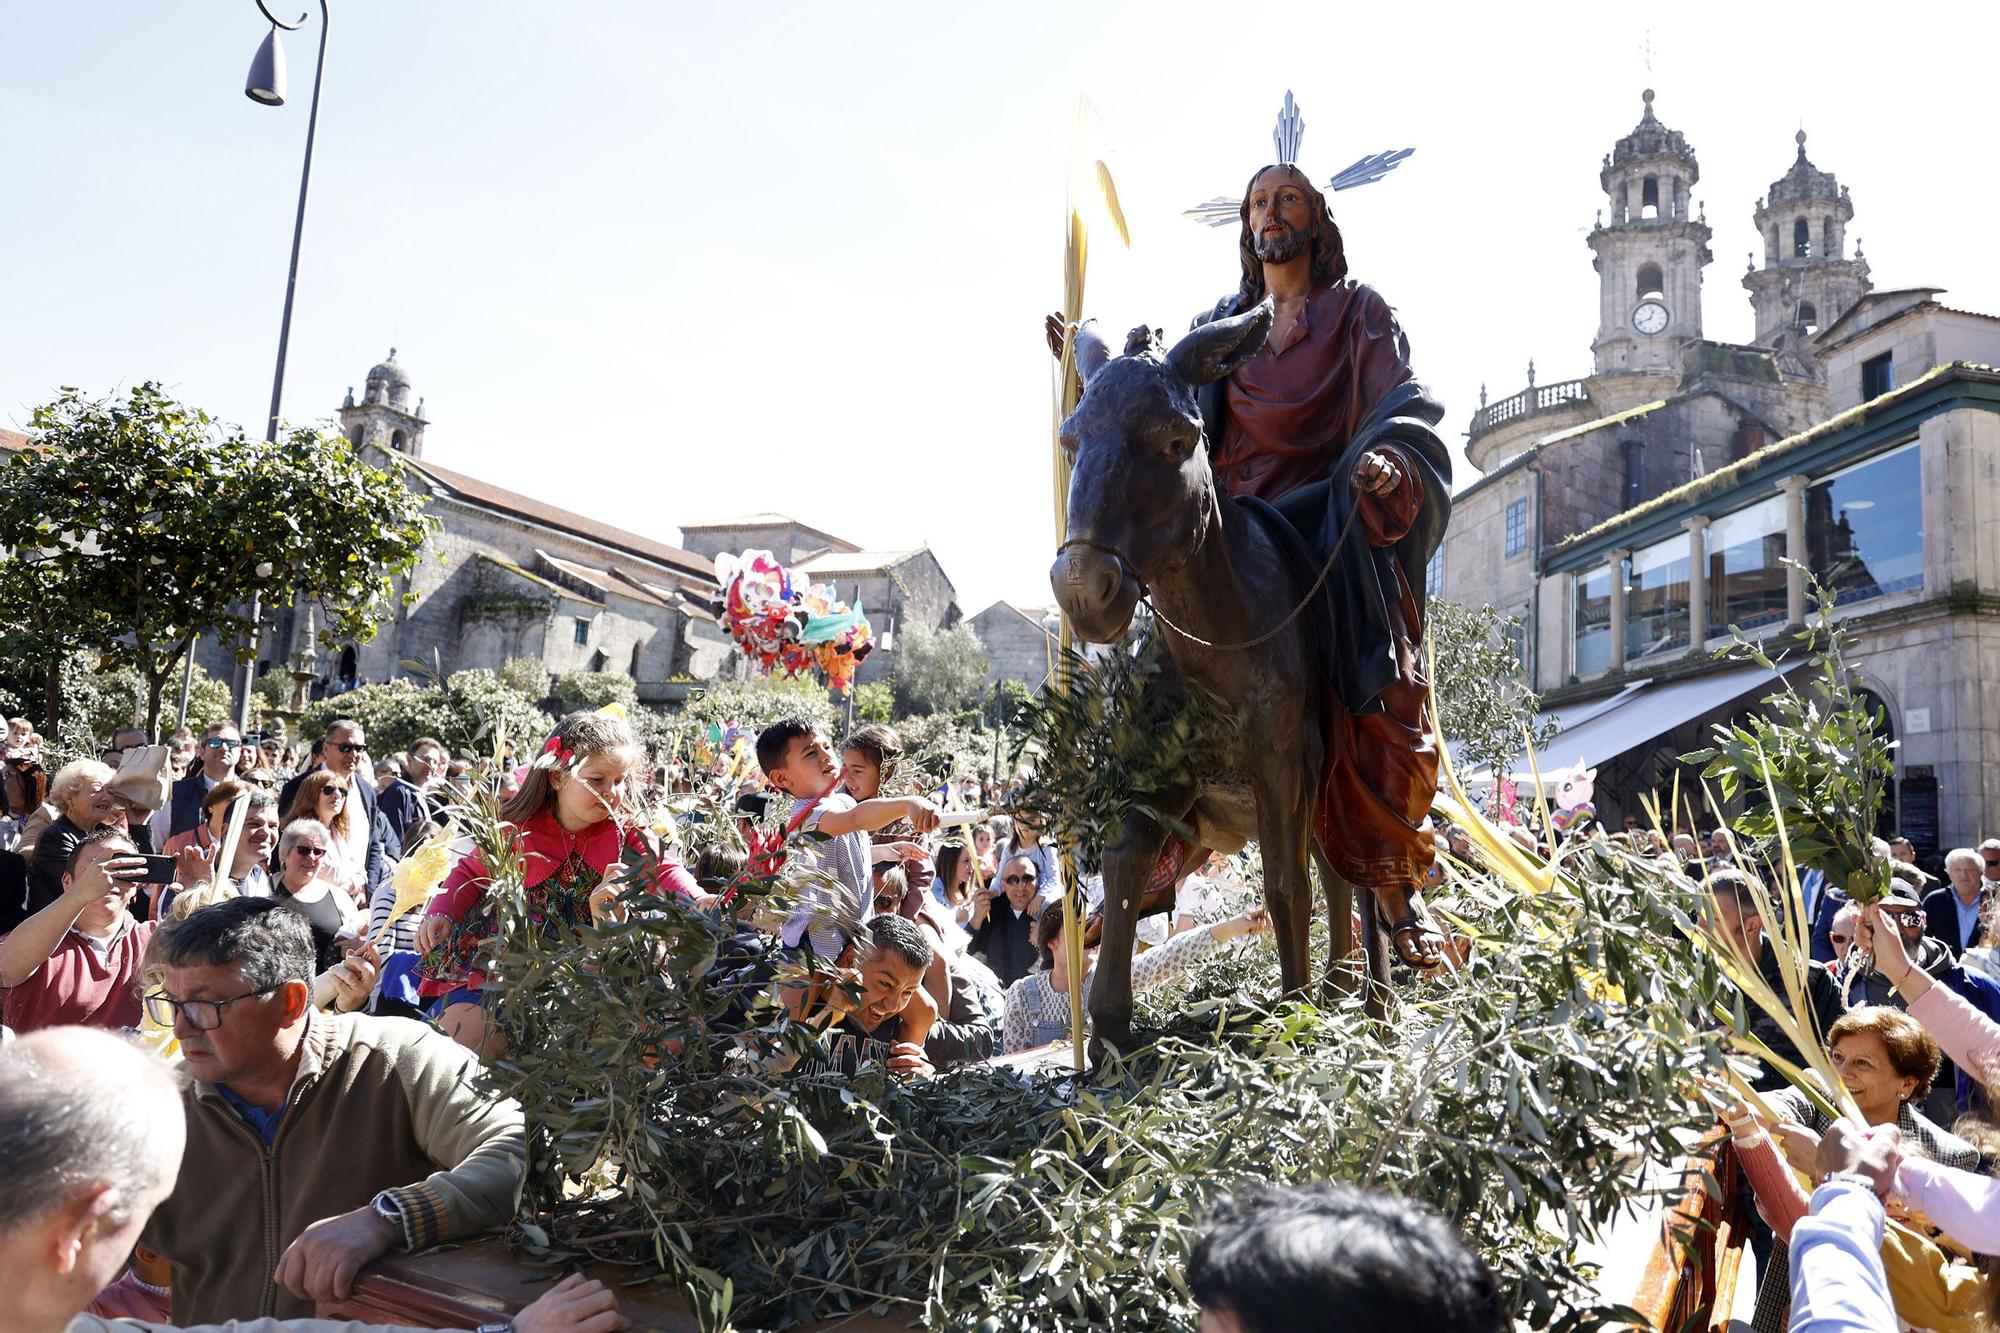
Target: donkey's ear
[[1212, 350], [1091, 351]]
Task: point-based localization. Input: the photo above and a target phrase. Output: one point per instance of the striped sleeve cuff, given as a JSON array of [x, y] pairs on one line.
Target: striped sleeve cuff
[[421, 1213]]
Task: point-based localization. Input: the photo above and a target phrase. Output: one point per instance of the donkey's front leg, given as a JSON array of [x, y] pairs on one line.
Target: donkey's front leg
[[1284, 830], [1127, 868]]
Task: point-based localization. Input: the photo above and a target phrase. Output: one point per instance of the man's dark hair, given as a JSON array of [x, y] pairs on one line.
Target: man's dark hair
[[1283, 1259], [898, 936], [421, 741], [774, 740], [97, 837], [1329, 252], [1733, 886], [265, 940]]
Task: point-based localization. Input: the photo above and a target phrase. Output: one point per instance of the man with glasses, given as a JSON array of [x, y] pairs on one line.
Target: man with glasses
[[78, 959], [220, 747], [90, 1142], [1902, 906], [1003, 920], [1989, 855], [344, 751], [316, 1142]]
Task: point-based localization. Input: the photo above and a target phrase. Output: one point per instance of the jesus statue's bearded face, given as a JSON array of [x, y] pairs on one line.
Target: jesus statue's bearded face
[[1280, 217]]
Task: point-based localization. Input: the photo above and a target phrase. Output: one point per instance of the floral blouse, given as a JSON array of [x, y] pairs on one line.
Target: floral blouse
[[561, 870]]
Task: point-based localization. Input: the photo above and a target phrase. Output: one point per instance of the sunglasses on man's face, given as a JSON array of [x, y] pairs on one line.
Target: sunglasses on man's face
[[346, 747], [308, 850], [1993, 863], [222, 743], [1842, 939], [1018, 879]]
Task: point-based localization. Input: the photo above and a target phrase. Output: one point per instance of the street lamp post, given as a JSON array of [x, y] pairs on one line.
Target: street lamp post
[[266, 86]]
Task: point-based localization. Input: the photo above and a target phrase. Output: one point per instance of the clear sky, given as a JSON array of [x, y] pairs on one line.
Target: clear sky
[[676, 262]]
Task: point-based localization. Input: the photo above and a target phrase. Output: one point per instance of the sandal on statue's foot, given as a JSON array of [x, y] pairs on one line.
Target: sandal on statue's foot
[[1415, 941]]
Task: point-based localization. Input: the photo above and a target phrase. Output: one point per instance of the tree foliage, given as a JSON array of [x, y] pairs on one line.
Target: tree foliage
[[470, 711], [937, 671], [526, 676], [140, 524], [594, 689], [1481, 691], [1820, 753], [874, 702], [761, 700]]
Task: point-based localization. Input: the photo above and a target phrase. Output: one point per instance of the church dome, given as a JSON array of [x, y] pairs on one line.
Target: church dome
[[1650, 139], [388, 382], [1804, 181]]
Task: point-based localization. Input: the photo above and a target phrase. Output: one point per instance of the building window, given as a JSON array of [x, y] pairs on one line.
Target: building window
[[1878, 376], [634, 670], [1801, 240], [1746, 570], [1434, 574], [1517, 527], [1649, 198], [398, 442], [1865, 527], [1514, 633], [598, 661], [582, 631], [1593, 621], [1656, 600], [1808, 316], [1651, 285]]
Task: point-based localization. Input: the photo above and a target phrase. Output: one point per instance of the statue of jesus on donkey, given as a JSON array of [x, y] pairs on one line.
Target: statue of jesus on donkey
[[1275, 486]]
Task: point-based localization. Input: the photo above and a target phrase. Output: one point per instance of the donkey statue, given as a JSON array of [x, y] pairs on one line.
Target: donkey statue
[[1146, 516]]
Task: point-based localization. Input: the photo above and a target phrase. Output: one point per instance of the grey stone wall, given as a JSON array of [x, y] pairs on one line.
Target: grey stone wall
[[1017, 648]]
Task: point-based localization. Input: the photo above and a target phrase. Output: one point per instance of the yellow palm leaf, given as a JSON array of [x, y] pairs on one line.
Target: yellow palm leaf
[[418, 876]]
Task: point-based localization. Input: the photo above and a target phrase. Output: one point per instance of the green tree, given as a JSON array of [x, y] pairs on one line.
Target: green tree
[[937, 671], [595, 689], [762, 700], [1480, 689], [470, 711], [526, 676], [874, 702], [139, 525]]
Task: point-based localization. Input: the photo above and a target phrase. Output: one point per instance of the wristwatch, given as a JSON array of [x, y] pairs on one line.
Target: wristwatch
[[507, 1327], [1853, 1177]]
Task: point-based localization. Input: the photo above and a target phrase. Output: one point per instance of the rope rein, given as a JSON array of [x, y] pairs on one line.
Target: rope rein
[[1146, 594]]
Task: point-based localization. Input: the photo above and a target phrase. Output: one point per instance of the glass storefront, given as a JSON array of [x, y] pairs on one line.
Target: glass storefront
[[1592, 621], [1865, 527], [1656, 600], [1746, 571]]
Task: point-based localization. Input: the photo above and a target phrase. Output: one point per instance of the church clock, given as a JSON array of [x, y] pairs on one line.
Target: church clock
[[1649, 317]]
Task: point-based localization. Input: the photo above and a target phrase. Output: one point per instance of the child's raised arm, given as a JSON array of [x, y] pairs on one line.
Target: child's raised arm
[[882, 811]]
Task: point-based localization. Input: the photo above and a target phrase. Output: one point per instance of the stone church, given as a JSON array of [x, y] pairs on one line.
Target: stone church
[[1635, 519], [507, 575]]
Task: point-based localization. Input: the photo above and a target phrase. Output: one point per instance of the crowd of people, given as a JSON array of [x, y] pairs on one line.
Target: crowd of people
[[245, 922]]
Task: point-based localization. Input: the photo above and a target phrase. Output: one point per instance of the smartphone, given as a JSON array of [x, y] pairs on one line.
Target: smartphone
[[159, 869]]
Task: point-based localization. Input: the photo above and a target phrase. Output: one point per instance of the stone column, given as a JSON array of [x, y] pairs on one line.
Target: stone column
[[1618, 559], [1697, 530], [1794, 488]]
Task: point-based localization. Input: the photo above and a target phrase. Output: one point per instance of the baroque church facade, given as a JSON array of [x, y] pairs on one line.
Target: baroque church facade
[[1634, 520]]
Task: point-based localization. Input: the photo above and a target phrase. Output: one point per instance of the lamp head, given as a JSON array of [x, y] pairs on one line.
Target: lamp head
[[266, 83]]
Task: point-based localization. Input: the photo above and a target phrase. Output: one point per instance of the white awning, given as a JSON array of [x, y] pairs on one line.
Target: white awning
[[1603, 729]]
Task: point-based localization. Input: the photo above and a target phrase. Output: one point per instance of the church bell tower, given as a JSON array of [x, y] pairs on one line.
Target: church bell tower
[[384, 419], [1807, 280], [1651, 247]]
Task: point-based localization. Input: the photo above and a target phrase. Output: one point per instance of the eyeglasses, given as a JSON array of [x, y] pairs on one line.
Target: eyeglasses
[[1018, 879], [346, 747], [1993, 863], [1842, 939], [202, 1015], [337, 793], [218, 743], [1906, 919], [309, 849]]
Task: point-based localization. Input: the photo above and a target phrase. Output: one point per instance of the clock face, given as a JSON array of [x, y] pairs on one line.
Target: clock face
[[1649, 317]]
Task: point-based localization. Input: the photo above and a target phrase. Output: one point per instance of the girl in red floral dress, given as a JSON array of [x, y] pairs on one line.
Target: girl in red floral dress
[[571, 828]]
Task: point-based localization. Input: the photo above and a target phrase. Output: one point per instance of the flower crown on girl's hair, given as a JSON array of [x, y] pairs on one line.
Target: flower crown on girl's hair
[[554, 754]]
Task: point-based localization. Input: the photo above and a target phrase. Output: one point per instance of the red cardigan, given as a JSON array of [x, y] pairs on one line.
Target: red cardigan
[[561, 869]]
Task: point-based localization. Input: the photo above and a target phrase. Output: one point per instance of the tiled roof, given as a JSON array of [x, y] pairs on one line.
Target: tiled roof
[[12, 441], [535, 578], [547, 515], [855, 562], [768, 520]]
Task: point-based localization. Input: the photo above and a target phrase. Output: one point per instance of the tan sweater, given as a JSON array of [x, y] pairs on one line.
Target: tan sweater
[[378, 1104]]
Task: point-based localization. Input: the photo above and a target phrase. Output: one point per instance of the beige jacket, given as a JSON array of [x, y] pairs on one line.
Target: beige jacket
[[379, 1104]]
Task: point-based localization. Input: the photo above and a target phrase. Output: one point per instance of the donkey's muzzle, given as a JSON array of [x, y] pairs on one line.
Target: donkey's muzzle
[[1096, 591]]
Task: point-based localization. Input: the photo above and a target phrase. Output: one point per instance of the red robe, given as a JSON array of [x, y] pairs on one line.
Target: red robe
[[1293, 409]]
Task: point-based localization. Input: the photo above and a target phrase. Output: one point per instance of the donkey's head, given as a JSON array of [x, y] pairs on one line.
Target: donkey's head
[[1140, 492]]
